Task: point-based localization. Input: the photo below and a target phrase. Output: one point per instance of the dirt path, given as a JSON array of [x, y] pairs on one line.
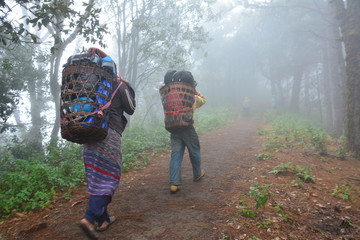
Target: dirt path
[[143, 204], [209, 209]]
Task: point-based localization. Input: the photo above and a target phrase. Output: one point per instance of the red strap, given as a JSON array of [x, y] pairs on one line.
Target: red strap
[[177, 112]]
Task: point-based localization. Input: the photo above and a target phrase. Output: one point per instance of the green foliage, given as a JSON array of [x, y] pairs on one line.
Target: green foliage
[[261, 132], [66, 151], [318, 142], [341, 151], [264, 156], [245, 210], [140, 143], [297, 183], [32, 182], [11, 84], [265, 224], [280, 211], [46, 12], [224, 236], [288, 131], [282, 167], [269, 116], [343, 192], [303, 173], [261, 195], [254, 238], [211, 120], [18, 71]]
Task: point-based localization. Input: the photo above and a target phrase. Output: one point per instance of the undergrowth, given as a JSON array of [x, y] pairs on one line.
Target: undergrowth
[[289, 131]]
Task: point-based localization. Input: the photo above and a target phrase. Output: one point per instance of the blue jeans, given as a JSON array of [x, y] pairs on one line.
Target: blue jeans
[[189, 139]]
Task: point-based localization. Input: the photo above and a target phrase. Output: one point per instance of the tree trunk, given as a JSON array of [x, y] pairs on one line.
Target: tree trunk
[[337, 66], [326, 85], [319, 91], [59, 47], [350, 28], [337, 73], [34, 136], [307, 87], [295, 92], [55, 92]]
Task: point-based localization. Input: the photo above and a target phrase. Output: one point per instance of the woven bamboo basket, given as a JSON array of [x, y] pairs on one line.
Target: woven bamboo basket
[[86, 88], [178, 99]]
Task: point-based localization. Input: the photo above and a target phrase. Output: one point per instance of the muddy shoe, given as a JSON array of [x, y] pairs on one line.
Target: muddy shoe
[[105, 226], [196, 179], [89, 229], [174, 188]]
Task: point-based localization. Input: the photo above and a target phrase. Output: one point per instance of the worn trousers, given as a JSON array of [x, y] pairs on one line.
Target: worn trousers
[[179, 141], [97, 209]]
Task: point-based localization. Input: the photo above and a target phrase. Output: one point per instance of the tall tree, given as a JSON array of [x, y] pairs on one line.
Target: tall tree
[[154, 36], [11, 84], [65, 24], [348, 14], [58, 22]]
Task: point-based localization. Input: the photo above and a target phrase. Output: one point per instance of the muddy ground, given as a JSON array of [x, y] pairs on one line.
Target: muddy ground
[[219, 206]]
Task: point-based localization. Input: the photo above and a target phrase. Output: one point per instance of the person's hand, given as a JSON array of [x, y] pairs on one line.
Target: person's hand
[[199, 94]]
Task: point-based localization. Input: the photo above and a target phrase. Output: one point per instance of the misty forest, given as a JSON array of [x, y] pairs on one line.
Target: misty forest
[[295, 63]]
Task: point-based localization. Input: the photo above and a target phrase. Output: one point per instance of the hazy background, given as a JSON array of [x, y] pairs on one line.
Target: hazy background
[[285, 55]]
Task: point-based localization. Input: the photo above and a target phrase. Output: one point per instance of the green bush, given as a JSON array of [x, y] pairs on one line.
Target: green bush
[[210, 120], [139, 141], [33, 183], [288, 130]]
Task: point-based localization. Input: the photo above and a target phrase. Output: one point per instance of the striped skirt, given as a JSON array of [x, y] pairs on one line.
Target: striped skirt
[[103, 161]]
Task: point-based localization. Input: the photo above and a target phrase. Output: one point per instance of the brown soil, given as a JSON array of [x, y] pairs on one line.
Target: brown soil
[[209, 209]]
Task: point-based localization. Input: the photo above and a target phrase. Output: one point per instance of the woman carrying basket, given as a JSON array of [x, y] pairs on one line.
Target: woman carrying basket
[[103, 162]]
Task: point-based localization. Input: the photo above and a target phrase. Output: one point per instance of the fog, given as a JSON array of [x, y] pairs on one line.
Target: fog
[[282, 55]]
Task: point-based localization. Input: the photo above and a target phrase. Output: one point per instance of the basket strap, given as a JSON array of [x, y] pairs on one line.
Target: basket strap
[[112, 96], [98, 112], [176, 113]]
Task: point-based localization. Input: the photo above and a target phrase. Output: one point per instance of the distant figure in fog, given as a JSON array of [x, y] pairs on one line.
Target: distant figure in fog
[[246, 106], [273, 102]]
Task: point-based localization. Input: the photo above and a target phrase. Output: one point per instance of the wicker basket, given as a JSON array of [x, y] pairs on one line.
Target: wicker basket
[[178, 99], [86, 88]]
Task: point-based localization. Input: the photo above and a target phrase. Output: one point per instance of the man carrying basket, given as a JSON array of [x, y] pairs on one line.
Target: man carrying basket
[[184, 136]]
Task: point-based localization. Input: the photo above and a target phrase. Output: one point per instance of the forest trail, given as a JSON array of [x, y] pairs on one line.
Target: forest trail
[[205, 210]]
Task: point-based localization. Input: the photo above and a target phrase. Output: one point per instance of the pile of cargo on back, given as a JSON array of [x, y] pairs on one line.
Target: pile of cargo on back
[[87, 85], [177, 97]]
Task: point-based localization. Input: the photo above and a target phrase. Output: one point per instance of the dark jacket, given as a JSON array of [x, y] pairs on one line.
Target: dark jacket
[[123, 101]]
